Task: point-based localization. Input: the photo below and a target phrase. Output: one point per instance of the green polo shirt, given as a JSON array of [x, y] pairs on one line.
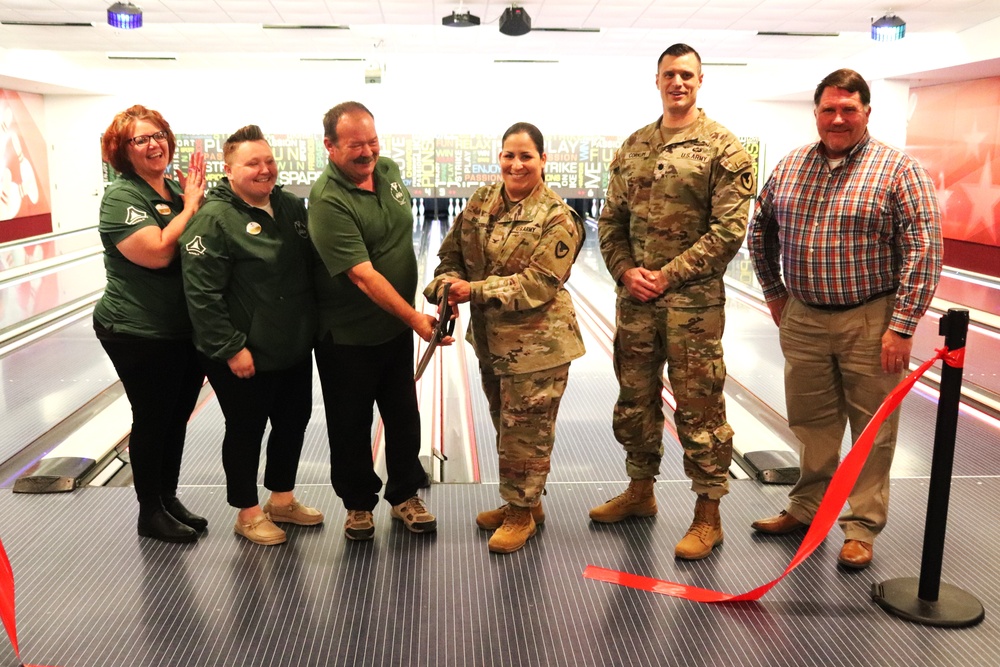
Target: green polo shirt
[[140, 301], [349, 225]]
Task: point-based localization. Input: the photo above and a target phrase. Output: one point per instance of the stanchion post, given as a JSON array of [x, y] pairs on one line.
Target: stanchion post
[[928, 601], [954, 327]]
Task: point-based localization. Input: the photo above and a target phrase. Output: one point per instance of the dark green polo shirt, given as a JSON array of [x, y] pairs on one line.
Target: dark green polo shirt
[[140, 301], [348, 226]]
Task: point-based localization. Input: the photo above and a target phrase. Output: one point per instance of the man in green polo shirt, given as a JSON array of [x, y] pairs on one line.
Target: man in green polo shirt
[[366, 279]]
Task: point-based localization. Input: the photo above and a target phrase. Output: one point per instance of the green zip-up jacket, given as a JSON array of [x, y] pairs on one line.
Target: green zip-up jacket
[[247, 279]]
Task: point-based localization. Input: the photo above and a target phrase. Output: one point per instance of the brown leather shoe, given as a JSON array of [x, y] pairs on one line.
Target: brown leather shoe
[[778, 525], [855, 554]]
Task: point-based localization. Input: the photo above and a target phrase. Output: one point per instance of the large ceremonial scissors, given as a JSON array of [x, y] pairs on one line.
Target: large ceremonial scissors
[[445, 327]]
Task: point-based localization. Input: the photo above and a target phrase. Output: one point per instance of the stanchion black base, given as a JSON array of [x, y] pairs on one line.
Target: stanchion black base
[[954, 607]]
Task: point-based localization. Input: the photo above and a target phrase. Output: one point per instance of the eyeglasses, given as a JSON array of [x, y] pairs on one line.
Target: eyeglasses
[[143, 139]]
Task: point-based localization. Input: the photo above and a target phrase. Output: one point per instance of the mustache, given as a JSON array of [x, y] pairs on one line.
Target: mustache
[[364, 159]]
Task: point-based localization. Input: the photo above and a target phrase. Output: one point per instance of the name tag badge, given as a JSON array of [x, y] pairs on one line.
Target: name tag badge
[[163, 209], [253, 228]]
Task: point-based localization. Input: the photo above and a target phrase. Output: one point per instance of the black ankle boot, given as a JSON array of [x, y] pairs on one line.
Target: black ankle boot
[[160, 525], [181, 513]]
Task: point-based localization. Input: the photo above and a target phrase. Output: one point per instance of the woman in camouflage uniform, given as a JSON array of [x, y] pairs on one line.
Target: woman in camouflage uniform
[[508, 255]]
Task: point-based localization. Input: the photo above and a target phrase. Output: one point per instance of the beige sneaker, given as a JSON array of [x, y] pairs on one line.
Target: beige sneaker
[[260, 530], [359, 525], [493, 519], [296, 513], [414, 515]]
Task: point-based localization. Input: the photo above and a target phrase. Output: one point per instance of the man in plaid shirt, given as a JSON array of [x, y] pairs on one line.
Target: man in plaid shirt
[[846, 244]]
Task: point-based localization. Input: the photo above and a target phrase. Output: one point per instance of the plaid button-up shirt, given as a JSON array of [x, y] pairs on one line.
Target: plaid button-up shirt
[[838, 237]]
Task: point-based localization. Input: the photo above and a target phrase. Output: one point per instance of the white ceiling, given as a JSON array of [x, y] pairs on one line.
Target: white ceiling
[[724, 31]]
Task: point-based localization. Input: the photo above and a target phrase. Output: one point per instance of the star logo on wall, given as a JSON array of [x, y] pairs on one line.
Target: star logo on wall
[[984, 197], [973, 139]]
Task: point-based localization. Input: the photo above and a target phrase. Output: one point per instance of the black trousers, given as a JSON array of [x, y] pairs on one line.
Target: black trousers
[[162, 379], [355, 378], [284, 397]]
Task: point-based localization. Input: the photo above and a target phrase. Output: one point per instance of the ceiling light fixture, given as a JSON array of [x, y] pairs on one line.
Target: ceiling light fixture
[[889, 28], [124, 15], [515, 21], [460, 18]]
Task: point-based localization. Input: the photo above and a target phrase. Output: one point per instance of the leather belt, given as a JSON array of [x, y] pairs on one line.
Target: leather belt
[[840, 307]]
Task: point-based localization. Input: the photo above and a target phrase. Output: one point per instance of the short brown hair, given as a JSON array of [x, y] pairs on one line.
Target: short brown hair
[[241, 136], [676, 51], [846, 79], [114, 143], [332, 117]]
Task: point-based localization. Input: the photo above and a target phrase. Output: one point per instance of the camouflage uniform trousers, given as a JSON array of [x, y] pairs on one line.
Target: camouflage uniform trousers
[[689, 342], [523, 407]]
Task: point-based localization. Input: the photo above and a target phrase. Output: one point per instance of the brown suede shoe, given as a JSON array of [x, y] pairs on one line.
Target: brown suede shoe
[[855, 554], [359, 525], [778, 525], [296, 513], [415, 516], [260, 530]]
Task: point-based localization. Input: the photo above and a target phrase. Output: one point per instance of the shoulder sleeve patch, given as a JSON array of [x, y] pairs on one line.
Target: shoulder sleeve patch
[[747, 183], [195, 246]]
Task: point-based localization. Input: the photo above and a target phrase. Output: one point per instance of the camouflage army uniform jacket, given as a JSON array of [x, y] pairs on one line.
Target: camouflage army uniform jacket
[[679, 205], [516, 262]]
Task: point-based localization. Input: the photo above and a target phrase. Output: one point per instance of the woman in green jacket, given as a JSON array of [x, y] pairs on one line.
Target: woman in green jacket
[[246, 259]]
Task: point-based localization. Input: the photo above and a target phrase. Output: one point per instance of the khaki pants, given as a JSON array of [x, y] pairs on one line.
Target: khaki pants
[[833, 376]]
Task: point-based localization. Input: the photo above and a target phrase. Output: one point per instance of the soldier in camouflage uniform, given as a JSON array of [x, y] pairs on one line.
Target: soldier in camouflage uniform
[[676, 213], [508, 254]]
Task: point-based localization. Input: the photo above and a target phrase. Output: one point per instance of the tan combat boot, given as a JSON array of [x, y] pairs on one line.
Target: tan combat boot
[[493, 519], [517, 528], [705, 532], [637, 500]]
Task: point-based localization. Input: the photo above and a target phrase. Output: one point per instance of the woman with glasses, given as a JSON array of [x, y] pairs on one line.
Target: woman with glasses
[[142, 319], [509, 254]]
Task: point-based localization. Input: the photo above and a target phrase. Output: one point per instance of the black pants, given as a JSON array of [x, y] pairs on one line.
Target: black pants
[[162, 379], [284, 397], [354, 378]]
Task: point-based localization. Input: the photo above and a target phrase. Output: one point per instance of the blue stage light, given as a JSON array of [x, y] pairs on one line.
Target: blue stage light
[[124, 15], [888, 29]]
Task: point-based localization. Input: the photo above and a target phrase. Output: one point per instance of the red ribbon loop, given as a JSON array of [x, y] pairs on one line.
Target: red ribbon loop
[[954, 358]]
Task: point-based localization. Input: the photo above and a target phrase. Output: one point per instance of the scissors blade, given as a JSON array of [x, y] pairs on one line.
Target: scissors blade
[[425, 360]]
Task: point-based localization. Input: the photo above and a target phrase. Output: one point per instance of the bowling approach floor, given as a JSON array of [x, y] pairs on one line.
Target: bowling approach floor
[[91, 593]]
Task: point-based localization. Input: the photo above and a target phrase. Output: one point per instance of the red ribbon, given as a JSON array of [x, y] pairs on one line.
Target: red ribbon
[[829, 509], [7, 602]]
